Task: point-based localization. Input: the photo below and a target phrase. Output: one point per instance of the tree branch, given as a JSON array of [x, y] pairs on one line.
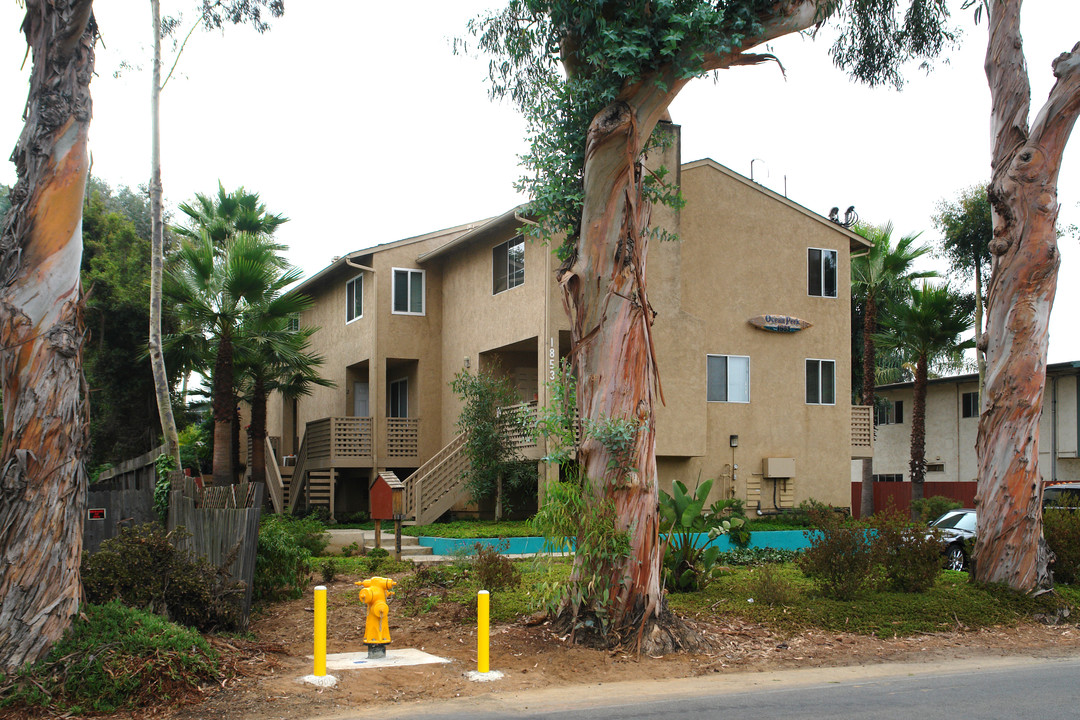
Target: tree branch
[[1055, 121], [1006, 72]]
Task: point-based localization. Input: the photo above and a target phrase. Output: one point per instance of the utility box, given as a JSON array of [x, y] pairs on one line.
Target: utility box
[[387, 497], [778, 467]]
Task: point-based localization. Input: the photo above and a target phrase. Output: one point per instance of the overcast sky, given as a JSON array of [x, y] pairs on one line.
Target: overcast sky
[[359, 124]]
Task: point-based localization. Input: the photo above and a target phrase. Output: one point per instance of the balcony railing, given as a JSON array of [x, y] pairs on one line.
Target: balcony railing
[[862, 431], [403, 437], [522, 433]]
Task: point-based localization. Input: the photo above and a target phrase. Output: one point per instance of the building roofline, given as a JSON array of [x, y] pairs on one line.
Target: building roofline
[[856, 242], [508, 219], [1051, 369], [340, 261]]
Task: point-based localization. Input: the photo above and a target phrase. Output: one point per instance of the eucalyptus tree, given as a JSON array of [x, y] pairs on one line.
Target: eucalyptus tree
[[881, 272], [967, 227], [210, 15], [594, 78], [925, 327], [1025, 163], [213, 293], [43, 481]]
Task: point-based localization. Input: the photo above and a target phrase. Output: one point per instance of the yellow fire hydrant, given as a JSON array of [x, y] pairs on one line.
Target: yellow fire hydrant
[[376, 594]]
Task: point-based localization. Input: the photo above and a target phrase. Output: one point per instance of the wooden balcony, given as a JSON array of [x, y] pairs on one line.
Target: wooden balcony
[[339, 442], [403, 441], [862, 431]]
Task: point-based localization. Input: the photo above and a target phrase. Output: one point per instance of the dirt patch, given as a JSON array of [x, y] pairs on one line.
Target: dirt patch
[[533, 657]]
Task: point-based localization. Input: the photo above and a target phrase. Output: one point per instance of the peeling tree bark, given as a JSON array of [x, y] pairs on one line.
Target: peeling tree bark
[[1023, 195], [604, 294], [43, 481]]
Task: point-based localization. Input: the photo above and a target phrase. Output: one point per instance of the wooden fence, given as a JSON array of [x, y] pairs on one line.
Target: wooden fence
[[223, 523], [122, 496], [898, 494]]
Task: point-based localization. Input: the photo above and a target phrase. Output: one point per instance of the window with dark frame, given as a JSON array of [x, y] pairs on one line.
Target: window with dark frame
[[821, 272], [507, 265], [398, 398], [820, 382], [889, 477], [727, 378], [354, 299], [891, 413], [969, 402]]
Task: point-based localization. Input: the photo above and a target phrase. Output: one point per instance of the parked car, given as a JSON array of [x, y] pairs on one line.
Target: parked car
[[955, 528], [1063, 496]]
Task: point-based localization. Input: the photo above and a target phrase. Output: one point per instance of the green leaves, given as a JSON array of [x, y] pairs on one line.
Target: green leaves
[[689, 561]]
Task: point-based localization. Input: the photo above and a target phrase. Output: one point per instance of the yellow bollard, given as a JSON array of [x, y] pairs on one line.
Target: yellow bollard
[[483, 606], [320, 631]]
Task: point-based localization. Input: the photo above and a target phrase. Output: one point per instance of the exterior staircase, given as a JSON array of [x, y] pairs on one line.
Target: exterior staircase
[[437, 485]]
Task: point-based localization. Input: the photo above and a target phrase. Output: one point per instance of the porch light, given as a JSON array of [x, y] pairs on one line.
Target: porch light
[[733, 441]]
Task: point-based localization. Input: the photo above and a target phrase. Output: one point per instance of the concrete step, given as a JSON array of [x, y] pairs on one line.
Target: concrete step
[[365, 540]]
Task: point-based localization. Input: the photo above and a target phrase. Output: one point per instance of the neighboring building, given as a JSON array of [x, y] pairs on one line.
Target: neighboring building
[[397, 321], [952, 425]]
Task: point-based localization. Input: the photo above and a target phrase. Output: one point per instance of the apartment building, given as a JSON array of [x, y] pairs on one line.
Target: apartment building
[[752, 334], [952, 426]]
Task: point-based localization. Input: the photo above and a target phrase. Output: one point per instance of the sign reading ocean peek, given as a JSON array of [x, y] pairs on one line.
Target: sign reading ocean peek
[[779, 323]]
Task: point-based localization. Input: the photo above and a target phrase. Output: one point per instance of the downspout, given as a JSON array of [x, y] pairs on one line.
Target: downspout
[[959, 411], [374, 357], [1053, 430]]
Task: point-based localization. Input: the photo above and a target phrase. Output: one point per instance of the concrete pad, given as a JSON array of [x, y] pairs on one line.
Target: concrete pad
[[477, 676], [320, 680], [394, 658]]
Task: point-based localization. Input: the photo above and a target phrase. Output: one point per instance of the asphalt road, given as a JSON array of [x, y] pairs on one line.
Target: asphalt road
[[971, 689]]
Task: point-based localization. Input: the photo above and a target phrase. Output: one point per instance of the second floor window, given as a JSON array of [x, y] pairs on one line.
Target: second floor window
[[398, 399], [970, 404], [727, 378], [354, 299], [891, 413], [820, 382], [507, 265], [821, 272], [408, 292]]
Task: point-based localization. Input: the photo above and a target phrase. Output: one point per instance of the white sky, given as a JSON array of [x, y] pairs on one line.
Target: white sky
[[360, 125]]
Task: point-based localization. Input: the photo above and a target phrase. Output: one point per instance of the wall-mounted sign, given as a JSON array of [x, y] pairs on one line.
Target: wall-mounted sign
[[95, 514], [779, 323]]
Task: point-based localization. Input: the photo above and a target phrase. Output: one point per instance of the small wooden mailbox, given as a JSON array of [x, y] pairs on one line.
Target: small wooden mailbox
[[387, 497]]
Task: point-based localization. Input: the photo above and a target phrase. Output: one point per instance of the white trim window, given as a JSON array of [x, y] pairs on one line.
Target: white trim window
[[354, 299], [408, 291], [727, 378], [398, 399], [820, 382], [821, 267], [507, 265], [969, 403], [889, 413]]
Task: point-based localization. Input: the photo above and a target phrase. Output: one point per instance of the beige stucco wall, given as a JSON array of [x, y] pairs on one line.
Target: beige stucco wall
[[950, 438], [743, 253]]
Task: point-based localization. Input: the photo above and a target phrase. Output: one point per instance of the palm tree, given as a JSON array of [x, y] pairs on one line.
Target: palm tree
[[213, 293], [226, 215], [274, 357], [882, 272], [925, 327]]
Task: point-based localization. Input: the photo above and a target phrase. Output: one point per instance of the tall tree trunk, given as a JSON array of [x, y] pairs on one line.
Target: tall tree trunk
[[980, 354], [258, 431], [918, 434], [157, 253], [224, 409], [603, 287], [1023, 195], [43, 481], [869, 386]]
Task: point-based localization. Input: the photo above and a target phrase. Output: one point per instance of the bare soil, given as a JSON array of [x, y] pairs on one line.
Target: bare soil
[[531, 656]]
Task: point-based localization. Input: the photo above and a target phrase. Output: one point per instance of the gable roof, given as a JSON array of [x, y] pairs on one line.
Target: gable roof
[[857, 242]]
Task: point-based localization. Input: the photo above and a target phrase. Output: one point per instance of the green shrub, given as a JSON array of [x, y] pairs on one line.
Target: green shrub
[[350, 550], [376, 557], [690, 560], [757, 556], [840, 558], [113, 657], [767, 585], [142, 569], [803, 516], [283, 564], [1062, 531], [931, 508], [909, 553], [329, 570], [309, 532], [493, 570]]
